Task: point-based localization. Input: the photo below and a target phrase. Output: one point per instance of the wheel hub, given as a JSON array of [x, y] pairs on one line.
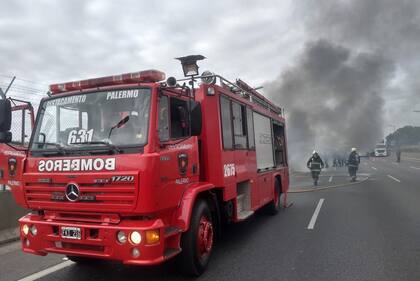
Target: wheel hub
[[205, 237]]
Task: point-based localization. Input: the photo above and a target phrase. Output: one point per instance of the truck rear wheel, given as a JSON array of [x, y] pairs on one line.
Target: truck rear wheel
[[197, 242], [274, 206]]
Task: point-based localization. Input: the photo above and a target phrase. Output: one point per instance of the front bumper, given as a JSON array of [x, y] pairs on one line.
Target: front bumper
[[99, 240]]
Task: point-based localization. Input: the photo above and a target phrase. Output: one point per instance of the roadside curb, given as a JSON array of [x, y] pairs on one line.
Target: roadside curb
[[9, 235], [311, 189]]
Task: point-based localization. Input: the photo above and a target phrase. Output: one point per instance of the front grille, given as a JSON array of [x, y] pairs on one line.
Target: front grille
[[106, 197]]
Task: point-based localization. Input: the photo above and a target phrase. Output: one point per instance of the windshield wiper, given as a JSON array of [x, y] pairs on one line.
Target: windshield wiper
[[112, 147], [60, 147], [118, 125]]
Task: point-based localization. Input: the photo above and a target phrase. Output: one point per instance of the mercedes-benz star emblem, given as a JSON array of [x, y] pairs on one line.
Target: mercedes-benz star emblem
[[72, 192]]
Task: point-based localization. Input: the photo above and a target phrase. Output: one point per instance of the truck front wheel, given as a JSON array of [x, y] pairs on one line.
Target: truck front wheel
[[197, 242]]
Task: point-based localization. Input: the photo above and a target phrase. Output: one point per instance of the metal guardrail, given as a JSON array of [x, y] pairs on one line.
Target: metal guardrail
[[10, 212]]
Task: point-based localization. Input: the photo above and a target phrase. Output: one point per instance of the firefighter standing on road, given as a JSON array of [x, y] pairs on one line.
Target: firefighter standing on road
[[315, 164], [398, 154], [353, 164]]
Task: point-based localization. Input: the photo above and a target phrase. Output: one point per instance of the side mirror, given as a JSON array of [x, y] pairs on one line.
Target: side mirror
[[196, 118], [5, 115], [5, 121]]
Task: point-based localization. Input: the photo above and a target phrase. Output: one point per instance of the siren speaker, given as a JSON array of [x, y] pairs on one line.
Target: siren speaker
[[208, 77], [171, 81]]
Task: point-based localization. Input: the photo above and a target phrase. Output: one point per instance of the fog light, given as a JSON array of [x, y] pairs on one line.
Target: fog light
[[135, 237], [135, 253], [152, 236], [34, 230], [25, 229], [121, 237], [27, 243]]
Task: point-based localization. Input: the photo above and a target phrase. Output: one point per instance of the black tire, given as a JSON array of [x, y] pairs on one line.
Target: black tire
[[190, 262], [274, 206]]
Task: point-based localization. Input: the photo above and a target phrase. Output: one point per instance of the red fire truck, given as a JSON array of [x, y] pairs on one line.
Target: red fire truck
[[138, 169]]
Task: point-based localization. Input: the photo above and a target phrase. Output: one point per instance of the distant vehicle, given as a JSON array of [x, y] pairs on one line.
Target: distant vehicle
[[380, 150]]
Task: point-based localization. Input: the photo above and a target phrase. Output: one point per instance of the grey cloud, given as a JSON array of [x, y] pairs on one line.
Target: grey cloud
[[391, 28]]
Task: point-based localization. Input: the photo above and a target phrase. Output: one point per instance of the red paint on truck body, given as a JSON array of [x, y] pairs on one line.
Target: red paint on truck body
[[159, 197]]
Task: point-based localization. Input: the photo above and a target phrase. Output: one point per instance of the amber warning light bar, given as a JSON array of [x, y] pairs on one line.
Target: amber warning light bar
[[134, 77]]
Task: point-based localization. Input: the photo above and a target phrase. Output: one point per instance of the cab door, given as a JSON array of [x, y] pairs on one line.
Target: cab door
[[13, 154], [178, 151]]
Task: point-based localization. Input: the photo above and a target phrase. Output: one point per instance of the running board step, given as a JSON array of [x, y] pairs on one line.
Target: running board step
[[245, 214]]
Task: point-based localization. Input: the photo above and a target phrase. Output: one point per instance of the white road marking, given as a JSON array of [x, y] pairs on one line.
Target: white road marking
[[395, 179], [416, 168], [315, 215], [47, 271], [330, 179], [374, 168], [413, 159]]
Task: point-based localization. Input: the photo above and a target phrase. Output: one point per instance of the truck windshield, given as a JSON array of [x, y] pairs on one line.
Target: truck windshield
[[109, 119]]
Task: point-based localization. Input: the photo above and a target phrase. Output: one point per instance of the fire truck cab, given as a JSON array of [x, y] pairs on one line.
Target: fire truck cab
[[138, 169]]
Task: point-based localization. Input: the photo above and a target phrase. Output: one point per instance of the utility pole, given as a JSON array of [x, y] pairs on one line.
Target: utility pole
[[10, 84]]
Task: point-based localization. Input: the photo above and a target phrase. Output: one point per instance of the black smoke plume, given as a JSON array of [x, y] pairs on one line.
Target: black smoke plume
[[333, 99]]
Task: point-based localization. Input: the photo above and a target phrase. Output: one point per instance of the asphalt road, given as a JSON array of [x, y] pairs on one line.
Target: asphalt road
[[368, 231]]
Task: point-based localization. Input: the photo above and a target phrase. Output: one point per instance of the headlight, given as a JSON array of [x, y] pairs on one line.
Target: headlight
[[25, 229], [34, 230], [121, 237], [135, 237]]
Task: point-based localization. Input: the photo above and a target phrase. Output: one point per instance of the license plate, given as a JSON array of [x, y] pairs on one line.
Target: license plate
[[71, 233]]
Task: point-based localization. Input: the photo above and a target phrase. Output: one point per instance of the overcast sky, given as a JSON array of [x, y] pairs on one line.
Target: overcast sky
[[43, 42]]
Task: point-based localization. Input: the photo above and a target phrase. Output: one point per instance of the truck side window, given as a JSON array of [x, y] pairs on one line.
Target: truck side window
[[18, 128], [239, 125], [279, 149], [226, 120], [163, 123], [250, 127], [179, 118]]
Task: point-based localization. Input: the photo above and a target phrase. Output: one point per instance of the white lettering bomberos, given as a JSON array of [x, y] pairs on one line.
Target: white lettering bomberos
[[76, 165]]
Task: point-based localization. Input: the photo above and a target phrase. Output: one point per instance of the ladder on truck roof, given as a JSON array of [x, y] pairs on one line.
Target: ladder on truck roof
[[243, 89]]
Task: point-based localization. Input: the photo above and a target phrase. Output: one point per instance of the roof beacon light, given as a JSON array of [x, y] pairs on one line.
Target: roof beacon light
[[133, 77]]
